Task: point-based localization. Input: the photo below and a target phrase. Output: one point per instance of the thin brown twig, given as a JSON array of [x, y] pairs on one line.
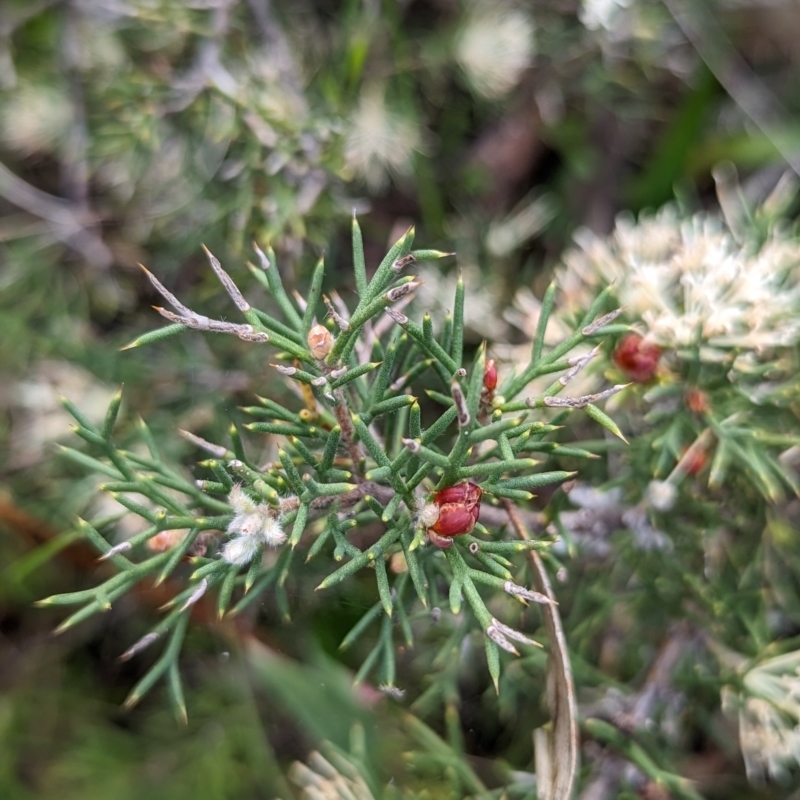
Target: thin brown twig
[[490, 515]]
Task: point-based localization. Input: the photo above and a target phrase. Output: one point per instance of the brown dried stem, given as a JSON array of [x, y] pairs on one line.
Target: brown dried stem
[[561, 757]]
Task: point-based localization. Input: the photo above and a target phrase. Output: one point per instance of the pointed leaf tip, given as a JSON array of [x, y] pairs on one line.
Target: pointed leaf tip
[[130, 701]]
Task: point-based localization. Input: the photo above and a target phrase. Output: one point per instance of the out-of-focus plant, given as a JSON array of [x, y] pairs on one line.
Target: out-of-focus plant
[[698, 513], [129, 129], [144, 128], [161, 120]]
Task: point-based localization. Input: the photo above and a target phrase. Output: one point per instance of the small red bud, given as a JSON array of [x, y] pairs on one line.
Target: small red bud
[[459, 509], [490, 376], [637, 358]]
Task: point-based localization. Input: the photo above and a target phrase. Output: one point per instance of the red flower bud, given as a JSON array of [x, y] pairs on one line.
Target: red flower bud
[[490, 376], [459, 509], [637, 358]]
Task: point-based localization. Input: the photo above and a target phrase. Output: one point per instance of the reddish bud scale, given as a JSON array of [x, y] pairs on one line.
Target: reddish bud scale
[[454, 519], [697, 400], [459, 509], [695, 462], [467, 493], [637, 358], [490, 376]]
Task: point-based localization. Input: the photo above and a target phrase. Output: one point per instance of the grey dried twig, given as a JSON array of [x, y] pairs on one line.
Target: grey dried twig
[[575, 402], [191, 319]]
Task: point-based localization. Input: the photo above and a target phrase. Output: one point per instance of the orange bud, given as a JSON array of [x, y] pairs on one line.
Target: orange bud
[[320, 341], [697, 400]]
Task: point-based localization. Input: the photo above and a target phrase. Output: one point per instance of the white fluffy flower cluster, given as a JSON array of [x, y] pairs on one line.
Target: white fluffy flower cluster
[[380, 141], [604, 14], [494, 47], [255, 525], [769, 717], [691, 283]]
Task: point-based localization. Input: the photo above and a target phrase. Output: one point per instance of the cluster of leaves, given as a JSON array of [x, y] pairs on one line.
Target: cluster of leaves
[[357, 454]]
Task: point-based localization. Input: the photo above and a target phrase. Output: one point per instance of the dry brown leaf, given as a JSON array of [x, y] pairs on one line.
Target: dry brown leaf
[[556, 745], [562, 735]]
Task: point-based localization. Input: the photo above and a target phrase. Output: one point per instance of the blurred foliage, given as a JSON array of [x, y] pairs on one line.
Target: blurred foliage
[[137, 130]]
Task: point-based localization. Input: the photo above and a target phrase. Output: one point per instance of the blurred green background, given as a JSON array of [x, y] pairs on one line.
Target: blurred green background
[[135, 131]]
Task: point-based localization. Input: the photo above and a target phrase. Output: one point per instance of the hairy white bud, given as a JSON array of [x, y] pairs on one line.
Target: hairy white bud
[[255, 525], [241, 550], [662, 495], [428, 514]]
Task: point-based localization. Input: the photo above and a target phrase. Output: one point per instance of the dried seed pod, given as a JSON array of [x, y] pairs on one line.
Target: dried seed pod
[[636, 357], [320, 341]]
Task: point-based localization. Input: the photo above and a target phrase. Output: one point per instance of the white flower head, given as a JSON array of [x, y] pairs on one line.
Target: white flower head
[[428, 515], [662, 495], [494, 47], [691, 283], [35, 118], [241, 550], [241, 502], [380, 141], [769, 717], [254, 526], [607, 15]]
